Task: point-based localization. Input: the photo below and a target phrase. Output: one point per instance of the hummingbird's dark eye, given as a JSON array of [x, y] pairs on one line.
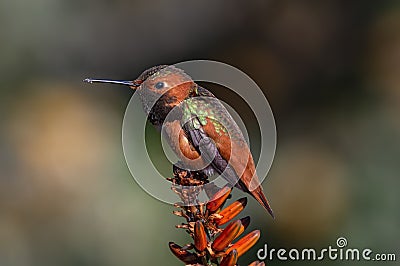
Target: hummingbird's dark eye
[[159, 85]]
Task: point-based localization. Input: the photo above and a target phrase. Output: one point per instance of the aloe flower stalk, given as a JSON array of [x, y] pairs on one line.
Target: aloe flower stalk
[[212, 245]]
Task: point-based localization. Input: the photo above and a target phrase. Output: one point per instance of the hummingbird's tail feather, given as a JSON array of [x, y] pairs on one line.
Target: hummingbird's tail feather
[[260, 197]]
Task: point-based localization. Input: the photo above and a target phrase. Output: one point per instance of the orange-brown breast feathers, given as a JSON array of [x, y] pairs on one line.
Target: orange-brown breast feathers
[[180, 144]]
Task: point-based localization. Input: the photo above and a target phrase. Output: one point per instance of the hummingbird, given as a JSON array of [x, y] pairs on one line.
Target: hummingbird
[[201, 130]]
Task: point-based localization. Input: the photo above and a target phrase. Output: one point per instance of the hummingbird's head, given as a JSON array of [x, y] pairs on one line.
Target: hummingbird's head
[[160, 88], [168, 82], [159, 79]]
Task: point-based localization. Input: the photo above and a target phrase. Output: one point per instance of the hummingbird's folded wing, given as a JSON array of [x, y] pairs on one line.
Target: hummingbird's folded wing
[[209, 151], [205, 116]]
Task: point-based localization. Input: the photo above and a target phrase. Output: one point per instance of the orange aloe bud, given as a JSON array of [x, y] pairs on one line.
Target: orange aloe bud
[[245, 243], [244, 224], [200, 238], [227, 236], [231, 211], [184, 255], [230, 259], [218, 199], [257, 263]]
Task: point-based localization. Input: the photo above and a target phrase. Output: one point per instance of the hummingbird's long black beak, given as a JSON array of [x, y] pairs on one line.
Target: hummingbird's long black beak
[[132, 84]]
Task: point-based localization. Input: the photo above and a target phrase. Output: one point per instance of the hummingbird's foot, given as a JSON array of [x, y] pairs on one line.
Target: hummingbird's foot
[[185, 177]]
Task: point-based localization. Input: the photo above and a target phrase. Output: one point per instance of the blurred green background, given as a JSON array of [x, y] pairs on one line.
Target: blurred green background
[[331, 72]]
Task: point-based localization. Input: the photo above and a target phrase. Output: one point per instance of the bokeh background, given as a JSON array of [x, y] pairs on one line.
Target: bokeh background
[[331, 72]]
